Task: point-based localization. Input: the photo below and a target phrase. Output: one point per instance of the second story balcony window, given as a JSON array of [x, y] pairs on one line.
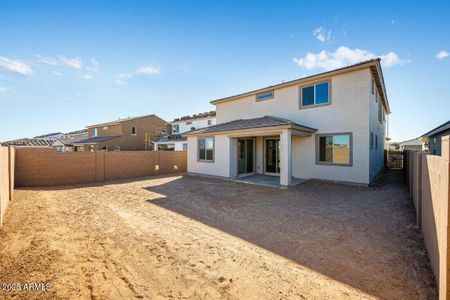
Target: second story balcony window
[[95, 132]]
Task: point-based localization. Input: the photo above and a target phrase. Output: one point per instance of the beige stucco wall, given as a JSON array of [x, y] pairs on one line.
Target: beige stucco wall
[[348, 112], [376, 158], [221, 164]]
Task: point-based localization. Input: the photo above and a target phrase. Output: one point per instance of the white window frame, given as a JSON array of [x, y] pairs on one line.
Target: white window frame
[[95, 132]]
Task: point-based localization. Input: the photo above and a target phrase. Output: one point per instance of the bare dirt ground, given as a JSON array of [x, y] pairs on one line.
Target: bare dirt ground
[[189, 237]]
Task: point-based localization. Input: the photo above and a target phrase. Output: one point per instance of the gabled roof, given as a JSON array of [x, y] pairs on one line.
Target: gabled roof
[[120, 121], [373, 64], [29, 143], [97, 139], [241, 124], [437, 130]]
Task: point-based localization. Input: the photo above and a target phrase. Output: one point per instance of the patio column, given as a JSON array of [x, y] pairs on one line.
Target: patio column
[[233, 157], [285, 157]]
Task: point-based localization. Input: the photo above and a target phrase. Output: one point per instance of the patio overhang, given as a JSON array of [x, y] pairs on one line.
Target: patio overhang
[[263, 126]]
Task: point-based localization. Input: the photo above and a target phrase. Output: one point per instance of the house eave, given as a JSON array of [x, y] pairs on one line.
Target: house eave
[[301, 130]]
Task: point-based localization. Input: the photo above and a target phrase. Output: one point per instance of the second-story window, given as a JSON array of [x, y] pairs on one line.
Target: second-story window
[[209, 122], [176, 128], [314, 95], [133, 130], [94, 132], [264, 96]]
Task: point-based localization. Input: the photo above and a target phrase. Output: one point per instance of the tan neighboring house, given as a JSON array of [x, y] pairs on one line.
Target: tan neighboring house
[[130, 134]]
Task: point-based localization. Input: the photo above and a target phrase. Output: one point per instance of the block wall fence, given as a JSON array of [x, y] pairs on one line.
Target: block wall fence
[[428, 178], [6, 179], [46, 167]]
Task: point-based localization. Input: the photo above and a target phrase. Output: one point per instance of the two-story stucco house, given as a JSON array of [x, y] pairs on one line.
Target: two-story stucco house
[[174, 141], [328, 126], [129, 134]]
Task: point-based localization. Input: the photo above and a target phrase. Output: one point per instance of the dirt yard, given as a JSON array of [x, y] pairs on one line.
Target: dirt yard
[[190, 237]]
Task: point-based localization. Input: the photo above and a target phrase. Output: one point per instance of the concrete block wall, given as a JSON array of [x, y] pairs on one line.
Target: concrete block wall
[[6, 179], [428, 177], [46, 167]]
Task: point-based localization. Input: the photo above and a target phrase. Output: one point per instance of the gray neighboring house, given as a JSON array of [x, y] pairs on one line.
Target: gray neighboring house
[[414, 144], [65, 143], [432, 140]]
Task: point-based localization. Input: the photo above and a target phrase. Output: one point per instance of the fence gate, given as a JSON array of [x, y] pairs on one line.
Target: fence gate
[[394, 159]]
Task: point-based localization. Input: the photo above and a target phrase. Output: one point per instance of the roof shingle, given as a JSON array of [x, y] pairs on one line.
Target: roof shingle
[[266, 121], [97, 139]]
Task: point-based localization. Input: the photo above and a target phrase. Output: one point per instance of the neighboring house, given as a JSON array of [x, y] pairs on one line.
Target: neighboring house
[[26, 142], [50, 136], [66, 141], [393, 146], [432, 140], [329, 126], [174, 140], [128, 134], [414, 144]]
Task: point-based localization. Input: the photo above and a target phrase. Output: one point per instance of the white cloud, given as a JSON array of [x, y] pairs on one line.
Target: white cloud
[[57, 74], [144, 71], [147, 71], [344, 56], [4, 89], [14, 66], [442, 54], [119, 83], [322, 35], [61, 60], [88, 76], [124, 75], [95, 66]]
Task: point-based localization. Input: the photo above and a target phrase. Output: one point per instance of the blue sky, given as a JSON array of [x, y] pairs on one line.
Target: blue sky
[[68, 64]]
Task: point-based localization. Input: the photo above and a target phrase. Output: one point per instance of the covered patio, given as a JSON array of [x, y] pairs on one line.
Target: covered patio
[[265, 153], [256, 151]]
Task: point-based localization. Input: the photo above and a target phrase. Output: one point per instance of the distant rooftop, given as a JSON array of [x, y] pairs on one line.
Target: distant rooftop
[[197, 116], [81, 131], [48, 135], [96, 139], [29, 143], [120, 121]]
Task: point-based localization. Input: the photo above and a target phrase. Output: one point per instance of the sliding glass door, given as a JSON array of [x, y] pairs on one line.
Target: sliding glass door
[[272, 156], [245, 156]]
